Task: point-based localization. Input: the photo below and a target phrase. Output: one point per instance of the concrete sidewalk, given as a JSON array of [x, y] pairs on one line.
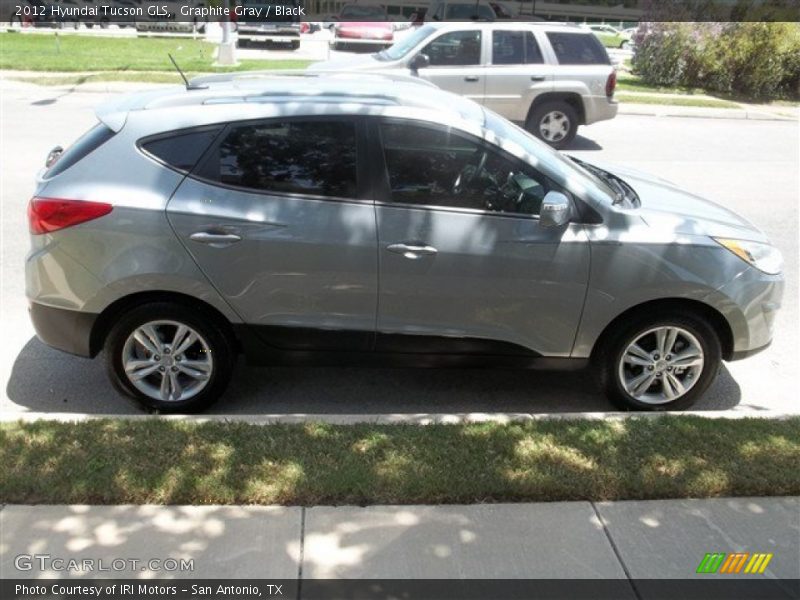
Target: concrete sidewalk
[[660, 539]]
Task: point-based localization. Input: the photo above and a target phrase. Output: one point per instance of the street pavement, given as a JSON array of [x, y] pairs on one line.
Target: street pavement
[[639, 540], [750, 166]]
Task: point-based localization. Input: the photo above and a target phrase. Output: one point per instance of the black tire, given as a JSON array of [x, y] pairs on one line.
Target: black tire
[[610, 350], [539, 113], [296, 45], [215, 334]]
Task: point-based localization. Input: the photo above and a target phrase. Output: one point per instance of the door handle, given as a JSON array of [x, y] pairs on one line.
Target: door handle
[[472, 78], [412, 250], [538, 78], [217, 240]]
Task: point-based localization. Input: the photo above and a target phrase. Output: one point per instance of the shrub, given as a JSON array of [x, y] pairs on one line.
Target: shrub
[[753, 60]]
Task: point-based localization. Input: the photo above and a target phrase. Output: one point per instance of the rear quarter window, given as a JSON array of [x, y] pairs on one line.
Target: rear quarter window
[[578, 49], [180, 150], [85, 145]]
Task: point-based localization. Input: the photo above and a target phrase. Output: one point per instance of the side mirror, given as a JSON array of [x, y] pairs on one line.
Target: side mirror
[[556, 210], [420, 61]]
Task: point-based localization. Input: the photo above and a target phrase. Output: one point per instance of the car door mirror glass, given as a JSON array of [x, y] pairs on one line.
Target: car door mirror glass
[[556, 210]]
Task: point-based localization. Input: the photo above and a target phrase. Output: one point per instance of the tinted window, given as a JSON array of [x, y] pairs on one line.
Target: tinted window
[[578, 49], [515, 48], [313, 157], [434, 167], [457, 48], [88, 142], [183, 150]]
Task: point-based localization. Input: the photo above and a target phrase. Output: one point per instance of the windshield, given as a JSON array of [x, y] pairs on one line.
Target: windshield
[[561, 168], [404, 46]]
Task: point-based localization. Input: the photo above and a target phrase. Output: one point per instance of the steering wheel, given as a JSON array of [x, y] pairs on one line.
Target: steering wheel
[[469, 174]]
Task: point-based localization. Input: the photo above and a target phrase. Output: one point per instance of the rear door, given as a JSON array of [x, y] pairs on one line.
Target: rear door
[[517, 73], [457, 63], [465, 267], [277, 216]]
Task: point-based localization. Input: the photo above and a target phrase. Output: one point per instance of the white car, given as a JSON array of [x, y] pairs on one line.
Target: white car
[[551, 78]]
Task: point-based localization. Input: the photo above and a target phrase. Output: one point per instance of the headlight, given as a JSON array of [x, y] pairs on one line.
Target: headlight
[[763, 257]]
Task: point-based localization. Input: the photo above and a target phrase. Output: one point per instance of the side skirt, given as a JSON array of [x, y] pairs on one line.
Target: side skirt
[[329, 349]]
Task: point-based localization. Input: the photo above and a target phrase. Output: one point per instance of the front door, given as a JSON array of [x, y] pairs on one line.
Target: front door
[[465, 266], [276, 217]]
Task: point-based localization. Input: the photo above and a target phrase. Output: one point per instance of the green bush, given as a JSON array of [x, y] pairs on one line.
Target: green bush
[[759, 61]]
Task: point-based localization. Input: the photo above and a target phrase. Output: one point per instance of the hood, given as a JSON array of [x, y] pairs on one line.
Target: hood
[[664, 205], [348, 63]]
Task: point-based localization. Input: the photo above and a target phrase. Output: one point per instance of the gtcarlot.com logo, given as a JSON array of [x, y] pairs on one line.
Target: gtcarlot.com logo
[[734, 563], [46, 562]]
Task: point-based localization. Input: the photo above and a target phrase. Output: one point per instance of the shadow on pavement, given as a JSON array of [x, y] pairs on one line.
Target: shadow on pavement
[[46, 380], [582, 143]]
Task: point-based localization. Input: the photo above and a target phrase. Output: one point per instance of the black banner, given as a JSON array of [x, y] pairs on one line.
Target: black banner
[[132, 12], [713, 588]]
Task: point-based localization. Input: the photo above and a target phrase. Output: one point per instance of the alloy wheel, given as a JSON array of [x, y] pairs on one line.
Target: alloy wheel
[[554, 126], [167, 360], [661, 364]]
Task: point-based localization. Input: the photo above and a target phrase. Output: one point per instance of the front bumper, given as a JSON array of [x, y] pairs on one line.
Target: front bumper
[[758, 297], [63, 329]]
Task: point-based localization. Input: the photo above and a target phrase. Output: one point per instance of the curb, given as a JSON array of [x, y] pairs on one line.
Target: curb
[[393, 419], [665, 110]]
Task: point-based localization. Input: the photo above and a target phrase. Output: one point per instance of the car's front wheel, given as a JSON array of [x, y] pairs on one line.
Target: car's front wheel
[[555, 123], [169, 357], [660, 362]]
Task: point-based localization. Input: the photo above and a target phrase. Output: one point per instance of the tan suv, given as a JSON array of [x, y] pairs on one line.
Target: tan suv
[[549, 77]]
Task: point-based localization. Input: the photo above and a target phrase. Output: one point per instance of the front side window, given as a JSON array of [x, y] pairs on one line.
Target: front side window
[[515, 48], [457, 48], [440, 168], [578, 49], [301, 157]]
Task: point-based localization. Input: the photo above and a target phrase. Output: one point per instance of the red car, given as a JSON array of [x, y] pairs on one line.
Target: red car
[[363, 27]]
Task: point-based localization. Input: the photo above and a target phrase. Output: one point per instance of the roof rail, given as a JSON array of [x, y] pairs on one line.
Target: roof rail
[[279, 73]]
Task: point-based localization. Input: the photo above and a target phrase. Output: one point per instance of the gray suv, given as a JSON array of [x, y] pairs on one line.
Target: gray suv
[[373, 219], [550, 78]]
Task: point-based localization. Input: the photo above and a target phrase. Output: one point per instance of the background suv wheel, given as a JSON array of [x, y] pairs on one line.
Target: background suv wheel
[[555, 123], [659, 362], [169, 357]]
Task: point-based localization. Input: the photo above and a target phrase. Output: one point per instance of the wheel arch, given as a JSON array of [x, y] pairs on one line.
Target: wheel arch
[[572, 98], [686, 305], [106, 319]]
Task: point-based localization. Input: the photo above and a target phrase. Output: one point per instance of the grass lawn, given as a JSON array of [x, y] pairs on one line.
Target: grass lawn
[[173, 462], [33, 52], [674, 100], [631, 83]]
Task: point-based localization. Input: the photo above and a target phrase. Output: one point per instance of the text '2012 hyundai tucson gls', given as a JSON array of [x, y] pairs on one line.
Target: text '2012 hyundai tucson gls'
[[370, 219]]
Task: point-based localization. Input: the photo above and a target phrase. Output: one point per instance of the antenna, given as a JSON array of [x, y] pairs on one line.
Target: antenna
[[189, 86]]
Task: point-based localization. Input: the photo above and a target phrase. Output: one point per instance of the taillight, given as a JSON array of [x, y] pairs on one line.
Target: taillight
[[51, 214], [611, 84]]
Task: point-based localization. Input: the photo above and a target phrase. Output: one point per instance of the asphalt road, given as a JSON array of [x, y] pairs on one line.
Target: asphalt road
[[750, 166]]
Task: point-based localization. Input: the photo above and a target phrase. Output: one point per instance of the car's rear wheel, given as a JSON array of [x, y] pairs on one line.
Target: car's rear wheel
[[555, 123], [169, 357], [661, 362]]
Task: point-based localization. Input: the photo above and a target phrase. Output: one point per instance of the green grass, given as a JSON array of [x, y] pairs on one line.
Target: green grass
[[674, 101], [174, 462], [73, 53], [631, 83]]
